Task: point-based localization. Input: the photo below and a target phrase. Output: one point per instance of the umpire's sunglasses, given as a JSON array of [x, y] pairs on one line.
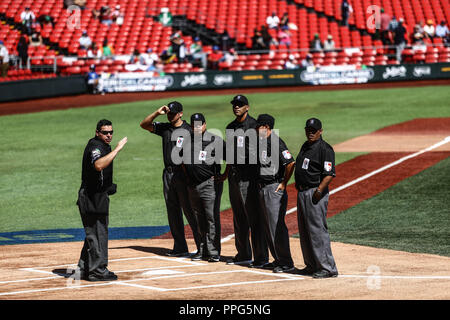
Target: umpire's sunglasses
[[106, 132]]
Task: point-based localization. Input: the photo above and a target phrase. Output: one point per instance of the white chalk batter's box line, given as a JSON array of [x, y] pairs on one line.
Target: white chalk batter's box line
[[150, 271]]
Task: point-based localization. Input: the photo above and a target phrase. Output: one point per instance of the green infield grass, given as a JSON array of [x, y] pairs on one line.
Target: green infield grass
[[40, 162], [411, 216]]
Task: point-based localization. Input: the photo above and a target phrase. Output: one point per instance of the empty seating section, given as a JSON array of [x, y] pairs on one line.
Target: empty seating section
[[238, 17]]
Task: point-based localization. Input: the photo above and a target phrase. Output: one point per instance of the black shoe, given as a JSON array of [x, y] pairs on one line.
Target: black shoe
[[324, 274], [177, 254], [197, 257], [258, 265], [285, 269], [269, 266], [239, 262], [110, 276], [306, 271], [214, 259]]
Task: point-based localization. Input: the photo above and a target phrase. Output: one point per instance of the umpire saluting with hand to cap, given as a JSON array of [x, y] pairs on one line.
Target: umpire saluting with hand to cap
[[313, 173], [174, 179]]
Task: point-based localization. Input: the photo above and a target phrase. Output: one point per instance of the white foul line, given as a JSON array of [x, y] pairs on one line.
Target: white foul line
[[366, 176]]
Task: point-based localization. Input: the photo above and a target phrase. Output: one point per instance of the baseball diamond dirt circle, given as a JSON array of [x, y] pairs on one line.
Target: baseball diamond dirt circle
[[39, 271]]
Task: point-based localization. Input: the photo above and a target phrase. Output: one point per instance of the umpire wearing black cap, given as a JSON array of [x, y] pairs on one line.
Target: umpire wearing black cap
[[315, 168], [241, 171], [205, 191], [276, 166], [174, 179]]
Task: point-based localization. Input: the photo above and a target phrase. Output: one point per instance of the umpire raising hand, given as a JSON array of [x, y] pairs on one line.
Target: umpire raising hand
[[174, 179], [93, 202], [313, 173]]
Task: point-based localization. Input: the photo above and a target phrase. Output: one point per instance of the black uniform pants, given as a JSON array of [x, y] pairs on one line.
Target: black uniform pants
[[176, 197], [247, 217], [273, 205], [313, 229], [205, 202], [94, 255]]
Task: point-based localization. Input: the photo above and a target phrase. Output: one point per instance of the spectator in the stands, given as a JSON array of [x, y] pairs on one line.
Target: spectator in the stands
[[104, 15], [27, 17], [417, 40], [196, 54], [346, 10], [35, 39], [228, 58], [291, 63], [284, 36], [134, 58], [178, 46], [443, 32], [149, 59], [117, 16], [267, 38], [284, 22], [308, 61], [92, 80], [328, 44], [429, 29], [385, 20], [79, 3], [167, 56], [94, 52], [316, 45], [4, 60], [258, 40], [45, 19], [417, 36], [107, 50], [22, 50], [85, 41], [214, 58], [399, 39], [273, 21]]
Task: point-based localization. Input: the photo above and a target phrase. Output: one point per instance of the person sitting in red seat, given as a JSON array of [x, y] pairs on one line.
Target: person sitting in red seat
[[214, 58]]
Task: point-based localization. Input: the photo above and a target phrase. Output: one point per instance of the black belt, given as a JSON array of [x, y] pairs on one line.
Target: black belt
[[263, 184], [172, 169], [304, 188]]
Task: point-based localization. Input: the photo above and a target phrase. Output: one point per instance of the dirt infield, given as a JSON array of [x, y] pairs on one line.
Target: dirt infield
[[37, 271], [60, 103]]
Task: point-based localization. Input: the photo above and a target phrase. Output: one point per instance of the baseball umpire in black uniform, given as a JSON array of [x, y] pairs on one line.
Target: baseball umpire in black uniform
[[241, 171], [93, 202], [315, 168], [205, 191], [174, 179], [276, 166]]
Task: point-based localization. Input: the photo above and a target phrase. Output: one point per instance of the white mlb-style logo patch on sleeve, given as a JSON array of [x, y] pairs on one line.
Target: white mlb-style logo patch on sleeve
[[327, 166], [202, 156], [96, 154], [180, 142], [287, 154]]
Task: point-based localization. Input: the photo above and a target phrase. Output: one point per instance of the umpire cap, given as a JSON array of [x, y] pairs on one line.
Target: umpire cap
[[265, 120], [175, 107], [197, 117], [239, 100], [313, 123]]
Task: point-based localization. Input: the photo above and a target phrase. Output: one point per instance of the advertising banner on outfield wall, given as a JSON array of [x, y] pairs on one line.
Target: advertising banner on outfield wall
[[151, 81]]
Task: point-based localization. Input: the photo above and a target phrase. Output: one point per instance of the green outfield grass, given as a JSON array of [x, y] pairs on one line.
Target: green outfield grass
[[411, 216], [40, 162]]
